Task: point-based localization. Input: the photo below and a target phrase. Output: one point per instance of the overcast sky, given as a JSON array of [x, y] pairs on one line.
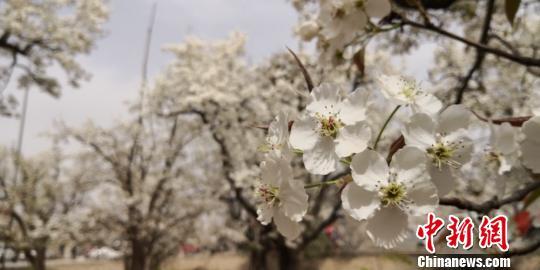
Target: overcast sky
[[115, 64]]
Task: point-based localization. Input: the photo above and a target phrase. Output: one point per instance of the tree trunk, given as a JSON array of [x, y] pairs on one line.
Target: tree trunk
[[38, 260], [287, 258], [257, 259], [276, 256], [138, 259]]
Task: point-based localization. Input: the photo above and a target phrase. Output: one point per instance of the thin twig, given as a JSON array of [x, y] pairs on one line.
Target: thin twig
[[526, 61], [492, 204], [480, 54]]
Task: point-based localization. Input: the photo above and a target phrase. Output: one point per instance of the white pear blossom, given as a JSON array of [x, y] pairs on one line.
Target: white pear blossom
[[503, 149], [277, 140], [308, 30], [341, 20], [283, 199], [401, 91], [332, 128], [530, 147], [444, 142], [388, 197]]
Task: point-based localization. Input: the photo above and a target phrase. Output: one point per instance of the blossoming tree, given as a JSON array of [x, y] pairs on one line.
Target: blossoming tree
[[38, 35], [40, 209], [442, 146]]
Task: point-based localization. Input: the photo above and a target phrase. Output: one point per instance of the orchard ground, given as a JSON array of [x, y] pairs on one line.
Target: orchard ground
[[228, 261]]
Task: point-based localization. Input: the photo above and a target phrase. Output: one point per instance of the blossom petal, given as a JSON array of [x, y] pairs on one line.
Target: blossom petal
[[378, 8], [325, 99], [453, 118], [530, 152], [304, 133], [462, 154], [420, 131], [322, 158], [388, 226], [265, 213], [274, 170], [368, 168], [442, 178], [424, 198], [352, 139], [530, 147], [278, 130], [391, 87], [353, 108], [426, 103], [358, 202], [504, 138], [408, 157], [294, 199], [286, 226]]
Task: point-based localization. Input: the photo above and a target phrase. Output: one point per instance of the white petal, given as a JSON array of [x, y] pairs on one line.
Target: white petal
[[388, 227], [463, 153], [442, 178], [505, 165], [426, 103], [325, 99], [424, 197], [391, 87], [504, 138], [420, 131], [274, 170], [294, 199], [453, 118], [278, 131], [530, 152], [410, 165], [322, 158], [265, 214], [408, 157], [378, 8], [530, 147], [353, 109], [304, 133], [286, 226], [369, 167], [359, 202], [352, 139], [531, 129]]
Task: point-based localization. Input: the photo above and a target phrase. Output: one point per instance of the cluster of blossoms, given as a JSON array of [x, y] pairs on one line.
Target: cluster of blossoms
[[389, 193], [341, 23]]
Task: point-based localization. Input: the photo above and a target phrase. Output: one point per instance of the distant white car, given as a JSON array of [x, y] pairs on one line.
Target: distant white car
[[104, 253]]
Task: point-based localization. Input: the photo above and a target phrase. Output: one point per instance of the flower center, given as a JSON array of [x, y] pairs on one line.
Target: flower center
[[493, 157], [409, 90], [329, 126], [443, 152], [268, 194], [393, 194]]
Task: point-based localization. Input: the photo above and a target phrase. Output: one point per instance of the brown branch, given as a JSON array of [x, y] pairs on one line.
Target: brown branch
[[492, 204], [334, 215], [526, 61], [523, 250], [307, 77], [226, 164], [514, 121], [480, 54]]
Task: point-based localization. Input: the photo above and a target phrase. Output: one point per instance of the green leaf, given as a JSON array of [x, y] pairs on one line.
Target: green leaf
[[511, 7]]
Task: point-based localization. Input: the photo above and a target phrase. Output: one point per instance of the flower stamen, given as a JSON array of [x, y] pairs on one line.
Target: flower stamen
[[268, 194]]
